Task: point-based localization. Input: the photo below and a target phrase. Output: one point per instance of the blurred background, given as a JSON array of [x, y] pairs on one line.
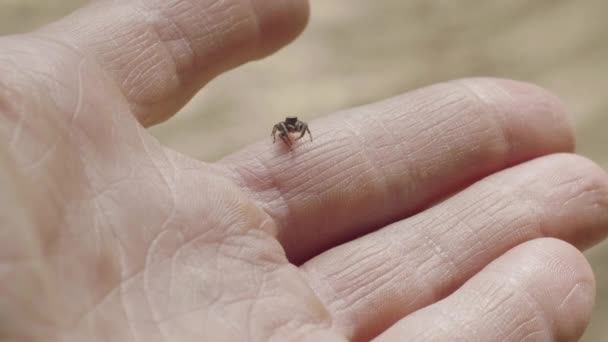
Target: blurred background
[[360, 51]]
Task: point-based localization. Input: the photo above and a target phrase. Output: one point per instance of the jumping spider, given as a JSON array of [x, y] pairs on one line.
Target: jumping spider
[[290, 125]]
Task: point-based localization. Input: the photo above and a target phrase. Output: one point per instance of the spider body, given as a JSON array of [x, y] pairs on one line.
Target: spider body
[[290, 125]]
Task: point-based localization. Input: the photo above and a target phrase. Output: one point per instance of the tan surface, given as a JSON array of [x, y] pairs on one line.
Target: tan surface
[[360, 51]]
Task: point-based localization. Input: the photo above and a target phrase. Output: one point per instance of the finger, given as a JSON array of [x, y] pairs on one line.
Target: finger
[[161, 52], [542, 290], [371, 282], [372, 165]]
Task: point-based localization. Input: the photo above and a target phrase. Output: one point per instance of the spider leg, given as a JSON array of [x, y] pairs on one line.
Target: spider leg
[[285, 139], [273, 134], [285, 133], [303, 130]]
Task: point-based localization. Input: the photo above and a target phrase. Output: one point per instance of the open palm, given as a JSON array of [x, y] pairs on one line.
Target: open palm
[[429, 216]]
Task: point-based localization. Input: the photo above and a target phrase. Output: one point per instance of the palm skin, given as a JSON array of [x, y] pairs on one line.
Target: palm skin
[[380, 228]]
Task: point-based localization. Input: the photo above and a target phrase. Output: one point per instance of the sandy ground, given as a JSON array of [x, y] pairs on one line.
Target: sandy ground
[[359, 51]]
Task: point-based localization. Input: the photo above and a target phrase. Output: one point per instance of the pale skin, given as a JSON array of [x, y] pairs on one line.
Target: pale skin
[[454, 212]]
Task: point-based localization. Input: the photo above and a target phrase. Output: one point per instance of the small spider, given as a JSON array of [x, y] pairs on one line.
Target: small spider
[[290, 125]]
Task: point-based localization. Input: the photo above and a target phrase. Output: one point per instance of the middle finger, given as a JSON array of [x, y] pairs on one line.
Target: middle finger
[[384, 276]]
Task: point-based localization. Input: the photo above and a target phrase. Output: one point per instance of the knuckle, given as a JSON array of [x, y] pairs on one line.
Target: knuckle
[[485, 104], [519, 113]]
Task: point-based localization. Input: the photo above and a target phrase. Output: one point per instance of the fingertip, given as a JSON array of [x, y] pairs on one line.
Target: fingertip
[[544, 102], [280, 22], [533, 110], [574, 303], [559, 280], [541, 290]]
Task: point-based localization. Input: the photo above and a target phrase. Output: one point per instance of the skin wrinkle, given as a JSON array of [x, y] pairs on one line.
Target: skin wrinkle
[[16, 115], [211, 32], [357, 278], [449, 264], [576, 288], [465, 217], [253, 38], [148, 70], [468, 214], [495, 299], [492, 306], [444, 100], [476, 118], [179, 33], [419, 272], [154, 245], [326, 163], [370, 173], [531, 206], [590, 188], [523, 326], [383, 173], [79, 102], [394, 143], [354, 258], [491, 213], [498, 116], [530, 201], [277, 185], [216, 270], [325, 143], [17, 123], [45, 158], [53, 146], [366, 286], [336, 300], [537, 310]]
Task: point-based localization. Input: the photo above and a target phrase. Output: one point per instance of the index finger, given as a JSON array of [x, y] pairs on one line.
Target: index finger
[[376, 164]]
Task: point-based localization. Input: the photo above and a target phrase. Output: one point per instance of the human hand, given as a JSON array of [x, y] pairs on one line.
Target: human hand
[[429, 216]]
